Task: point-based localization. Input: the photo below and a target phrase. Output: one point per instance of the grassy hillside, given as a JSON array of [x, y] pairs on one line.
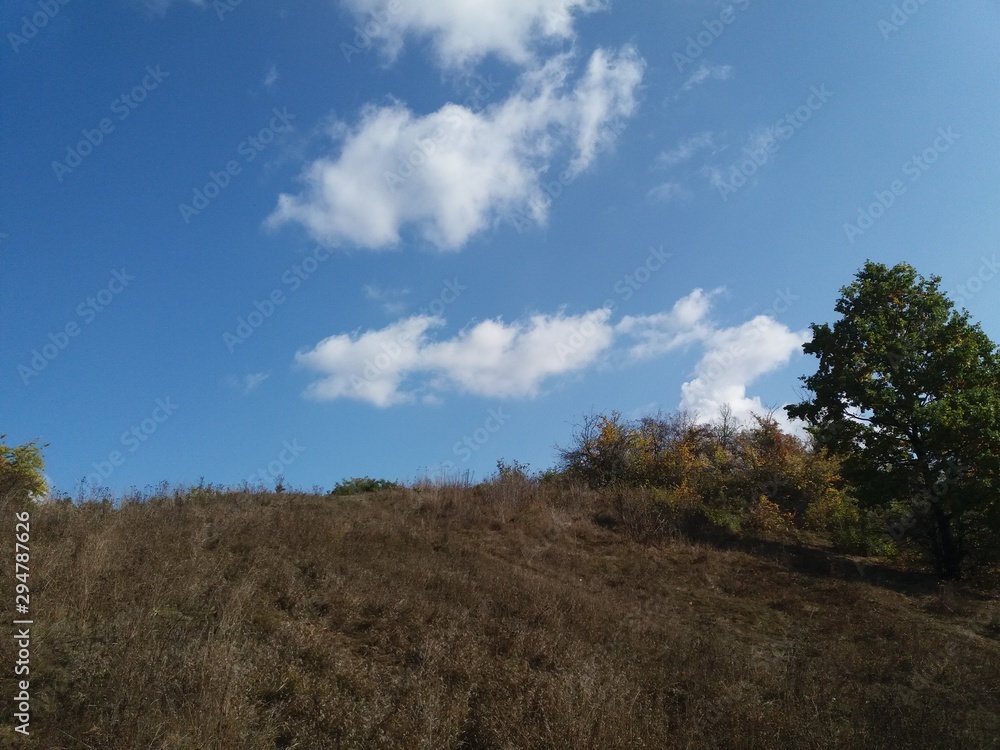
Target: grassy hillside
[[503, 616]]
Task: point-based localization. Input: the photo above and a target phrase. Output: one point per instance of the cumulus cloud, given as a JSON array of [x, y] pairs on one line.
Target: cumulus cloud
[[683, 324], [402, 363], [399, 363], [451, 173], [733, 359], [370, 366], [462, 32], [494, 359]]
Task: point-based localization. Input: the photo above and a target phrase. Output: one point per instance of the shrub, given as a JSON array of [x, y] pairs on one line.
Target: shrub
[[514, 471], [359, 485], [512, 483], [22, 472], [753, 477], [851, 529], [767, 518], [603, 450]]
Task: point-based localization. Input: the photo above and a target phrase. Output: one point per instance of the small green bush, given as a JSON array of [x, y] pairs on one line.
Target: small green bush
[[512, 471], [360, 485], [22, 472]]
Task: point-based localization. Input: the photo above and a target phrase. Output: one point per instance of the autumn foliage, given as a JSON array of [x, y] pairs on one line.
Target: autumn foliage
[[22, 470], [725, 476]]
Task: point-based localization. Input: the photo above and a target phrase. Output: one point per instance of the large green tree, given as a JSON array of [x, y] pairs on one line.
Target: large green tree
[[908, 393]]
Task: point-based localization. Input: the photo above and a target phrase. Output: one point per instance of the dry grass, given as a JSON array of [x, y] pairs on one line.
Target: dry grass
[[501, 616]]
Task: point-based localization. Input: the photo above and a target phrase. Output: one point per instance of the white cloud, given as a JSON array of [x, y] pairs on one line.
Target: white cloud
[[715, 178], [391, 300], [463, 32], [764, 138], [668, 191], [733, 359], [684, 324], [606, 93], [160, 7], [686, 149], [493, 359], [761, 144], [489, 359], [270, 77], [453, 172], [705, 73], [248, 383], [370, 366], [401, 363]]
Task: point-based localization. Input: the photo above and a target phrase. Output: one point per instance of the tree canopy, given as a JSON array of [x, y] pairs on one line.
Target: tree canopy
[[908, 393]]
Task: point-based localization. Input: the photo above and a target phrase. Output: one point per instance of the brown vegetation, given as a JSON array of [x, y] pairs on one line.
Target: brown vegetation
[[509, 615]]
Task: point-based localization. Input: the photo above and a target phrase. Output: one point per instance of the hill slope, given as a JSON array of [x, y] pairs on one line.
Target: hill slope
[[491, 617]]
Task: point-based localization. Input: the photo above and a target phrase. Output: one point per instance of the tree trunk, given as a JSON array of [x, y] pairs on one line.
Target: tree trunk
[[948, 557]]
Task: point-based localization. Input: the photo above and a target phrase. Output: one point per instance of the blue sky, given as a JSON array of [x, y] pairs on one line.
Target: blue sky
[[408, 237]]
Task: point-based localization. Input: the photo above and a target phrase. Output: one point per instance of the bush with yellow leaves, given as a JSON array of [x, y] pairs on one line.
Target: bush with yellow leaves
[[735, 476]]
